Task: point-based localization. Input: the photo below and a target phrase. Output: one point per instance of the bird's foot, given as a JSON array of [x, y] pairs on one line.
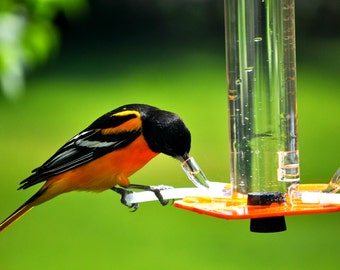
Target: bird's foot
[[155, 189], [124, 192]]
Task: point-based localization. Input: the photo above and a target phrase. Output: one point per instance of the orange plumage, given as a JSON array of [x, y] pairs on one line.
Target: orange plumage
[[106, 153]]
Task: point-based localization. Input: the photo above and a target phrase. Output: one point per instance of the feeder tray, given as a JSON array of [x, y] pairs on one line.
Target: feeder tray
[[268, 215], [265, 211], [228, 208]]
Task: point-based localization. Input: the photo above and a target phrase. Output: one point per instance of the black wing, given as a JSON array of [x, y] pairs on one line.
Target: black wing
[[86, 146]]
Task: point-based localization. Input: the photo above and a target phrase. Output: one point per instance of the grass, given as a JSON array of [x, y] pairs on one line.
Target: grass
[[87, 231]]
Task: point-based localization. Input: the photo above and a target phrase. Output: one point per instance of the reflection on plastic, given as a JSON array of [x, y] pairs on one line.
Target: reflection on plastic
[[334, 184], [313, 198], [194, 173], [316, 194]]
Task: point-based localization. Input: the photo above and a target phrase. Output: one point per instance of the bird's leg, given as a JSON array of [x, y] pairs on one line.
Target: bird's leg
[[155, 189], [124, 193]]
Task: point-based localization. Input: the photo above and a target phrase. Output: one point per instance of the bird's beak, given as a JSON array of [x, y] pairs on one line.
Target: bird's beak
[[194, 173]]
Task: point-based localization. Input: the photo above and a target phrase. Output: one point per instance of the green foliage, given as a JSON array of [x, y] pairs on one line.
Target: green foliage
[[28, 37]]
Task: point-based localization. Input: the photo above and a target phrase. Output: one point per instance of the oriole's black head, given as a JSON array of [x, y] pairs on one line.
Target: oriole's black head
[[164, 131]]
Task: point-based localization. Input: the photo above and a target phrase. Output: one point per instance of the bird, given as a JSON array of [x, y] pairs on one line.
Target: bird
[[106, 153]]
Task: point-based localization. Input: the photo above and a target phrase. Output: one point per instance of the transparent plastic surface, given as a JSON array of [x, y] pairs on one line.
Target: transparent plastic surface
[[298, 198], [194, 173], [334, 184], [260, 52], [316, 194]]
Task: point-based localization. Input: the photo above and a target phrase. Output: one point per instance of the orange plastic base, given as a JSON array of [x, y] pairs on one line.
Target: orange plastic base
[[244, 211], [228, 208]]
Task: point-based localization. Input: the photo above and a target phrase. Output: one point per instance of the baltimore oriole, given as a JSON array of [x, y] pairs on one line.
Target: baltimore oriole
[[106, 153]]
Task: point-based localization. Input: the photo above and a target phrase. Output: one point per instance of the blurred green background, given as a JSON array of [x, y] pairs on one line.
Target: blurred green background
[[169, 54]]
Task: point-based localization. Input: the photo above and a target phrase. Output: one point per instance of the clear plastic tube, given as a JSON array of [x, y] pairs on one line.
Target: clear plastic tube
[[334, 184], [298, 198], [316, 194], [260, 51], [194, 173]]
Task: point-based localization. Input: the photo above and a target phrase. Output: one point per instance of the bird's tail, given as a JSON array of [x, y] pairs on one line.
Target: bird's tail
[[23, 209], [15, 216]]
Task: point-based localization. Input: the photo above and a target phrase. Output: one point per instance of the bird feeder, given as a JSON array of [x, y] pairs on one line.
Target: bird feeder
[[261, 83], [264, 157]]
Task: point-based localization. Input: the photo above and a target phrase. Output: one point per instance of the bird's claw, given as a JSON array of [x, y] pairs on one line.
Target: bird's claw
[[124, 192], [157, 191], [133, 207]]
